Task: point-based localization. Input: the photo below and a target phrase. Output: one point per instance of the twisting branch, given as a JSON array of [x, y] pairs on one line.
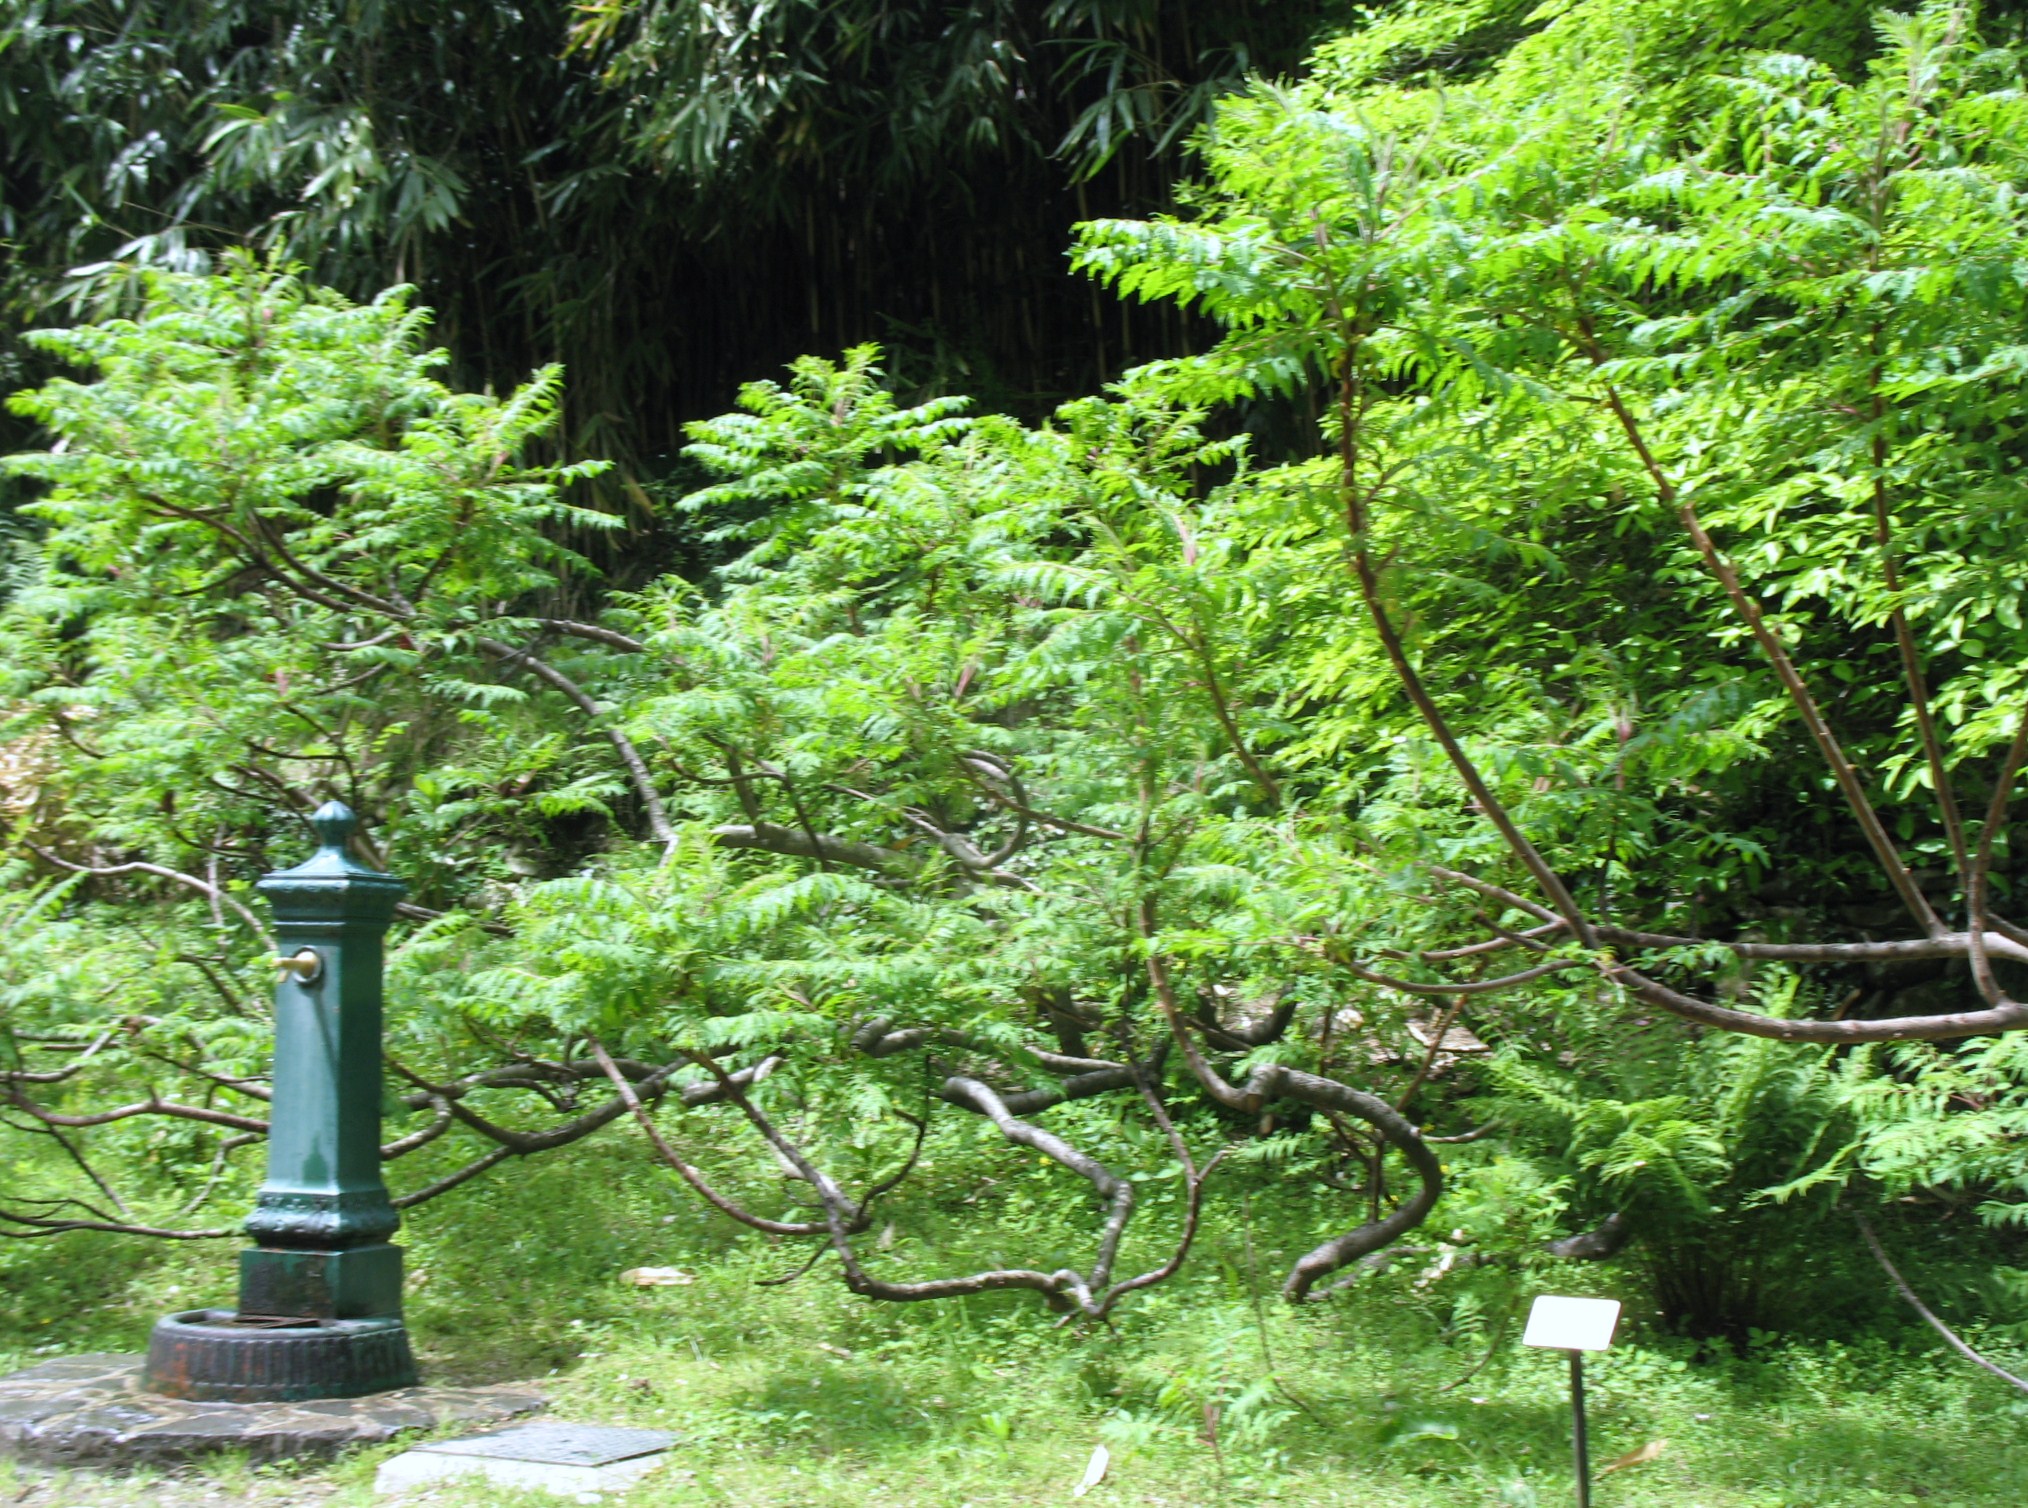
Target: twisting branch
[[41, 1225], [1951, 1337], [108, 871], [227, 1145], [451, 1180], [1531, 938], [985, 769], [523, 1143], [637, 768], [968, 855], [86, 1051], [2001, 939], [792, 843], [2009, 1015], [1271, 1080], [153, 1105], [1057, 1287], [446, 1101], [1194, 1179], [438, 1125], [70, 1150], [878, 1038], [606, 636], [1113, 1189], [1469, 987], [683, 1169], [1074, 1294]]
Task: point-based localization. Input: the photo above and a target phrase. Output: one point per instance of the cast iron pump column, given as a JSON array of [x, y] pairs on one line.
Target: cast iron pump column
[[319, 1311]]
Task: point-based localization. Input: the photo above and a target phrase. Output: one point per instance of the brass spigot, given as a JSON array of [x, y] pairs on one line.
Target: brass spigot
[[305, 964]]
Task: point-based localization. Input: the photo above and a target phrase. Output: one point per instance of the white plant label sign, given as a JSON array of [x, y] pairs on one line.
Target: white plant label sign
[[1565, 1324]]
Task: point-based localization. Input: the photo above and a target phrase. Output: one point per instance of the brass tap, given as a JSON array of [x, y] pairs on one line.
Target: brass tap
[[305, 964]]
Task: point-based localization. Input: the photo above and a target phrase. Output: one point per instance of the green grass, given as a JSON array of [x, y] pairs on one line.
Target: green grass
[[803, 1395]]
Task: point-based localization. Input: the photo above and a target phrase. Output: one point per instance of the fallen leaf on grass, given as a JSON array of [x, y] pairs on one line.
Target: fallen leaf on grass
[[1095, 1472], [657, 1277], [1639, 1457]]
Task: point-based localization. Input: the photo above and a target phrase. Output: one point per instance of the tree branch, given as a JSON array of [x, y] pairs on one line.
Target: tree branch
[[108, 871], [637, 768], [1777, 655], [1950, 1336]]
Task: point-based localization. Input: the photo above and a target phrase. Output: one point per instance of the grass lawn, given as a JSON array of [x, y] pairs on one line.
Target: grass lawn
[[803, 1395]]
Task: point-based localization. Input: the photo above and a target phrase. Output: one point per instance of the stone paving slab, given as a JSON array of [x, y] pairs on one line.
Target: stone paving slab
[[417, 1468], [90, 1411], [576, 1460]]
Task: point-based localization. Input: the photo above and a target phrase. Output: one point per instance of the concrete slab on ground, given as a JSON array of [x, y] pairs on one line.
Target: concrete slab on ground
[[575, 1460]]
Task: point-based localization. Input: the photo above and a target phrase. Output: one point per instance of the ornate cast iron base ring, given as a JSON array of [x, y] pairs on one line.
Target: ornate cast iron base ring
[[218, 1356]]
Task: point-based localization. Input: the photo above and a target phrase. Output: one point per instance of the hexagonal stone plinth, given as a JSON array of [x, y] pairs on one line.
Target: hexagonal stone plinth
[[91, 1411]]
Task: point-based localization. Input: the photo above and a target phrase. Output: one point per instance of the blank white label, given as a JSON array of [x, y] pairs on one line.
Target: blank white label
[[1572, 1324]]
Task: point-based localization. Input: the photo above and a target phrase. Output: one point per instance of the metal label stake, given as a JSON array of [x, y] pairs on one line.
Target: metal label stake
[[1574, 1326], [1580, 1453]]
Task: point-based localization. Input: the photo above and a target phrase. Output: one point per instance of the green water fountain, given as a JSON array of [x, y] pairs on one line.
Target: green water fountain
[[319, 1311]]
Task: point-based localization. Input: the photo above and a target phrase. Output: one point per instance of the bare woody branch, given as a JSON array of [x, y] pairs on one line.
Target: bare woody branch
[[637, 768], [1908, 1294], [108, 871], [1273, 1080]]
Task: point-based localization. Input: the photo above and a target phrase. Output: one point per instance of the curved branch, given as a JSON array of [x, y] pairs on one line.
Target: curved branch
[[422, 1138], [968, 854], [1473, 987], [877, 1039], [792, 843], [1081, 1086], [1270, 1080], [451, 1180], [1950, 1336], [1505, 940], [152, 1105], [1116, 1191], [525, 1142], [637, 768], [986, 768], [2003, 1016], [45, 1226], [217, 893], [606, 636], [1062, 1289], [2009, 1015], [1194, 1181], [683, 1169]]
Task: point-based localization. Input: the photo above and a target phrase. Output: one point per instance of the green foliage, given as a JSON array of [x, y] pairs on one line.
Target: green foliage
[[1545, 318], [258, 470], [1038, 739]]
